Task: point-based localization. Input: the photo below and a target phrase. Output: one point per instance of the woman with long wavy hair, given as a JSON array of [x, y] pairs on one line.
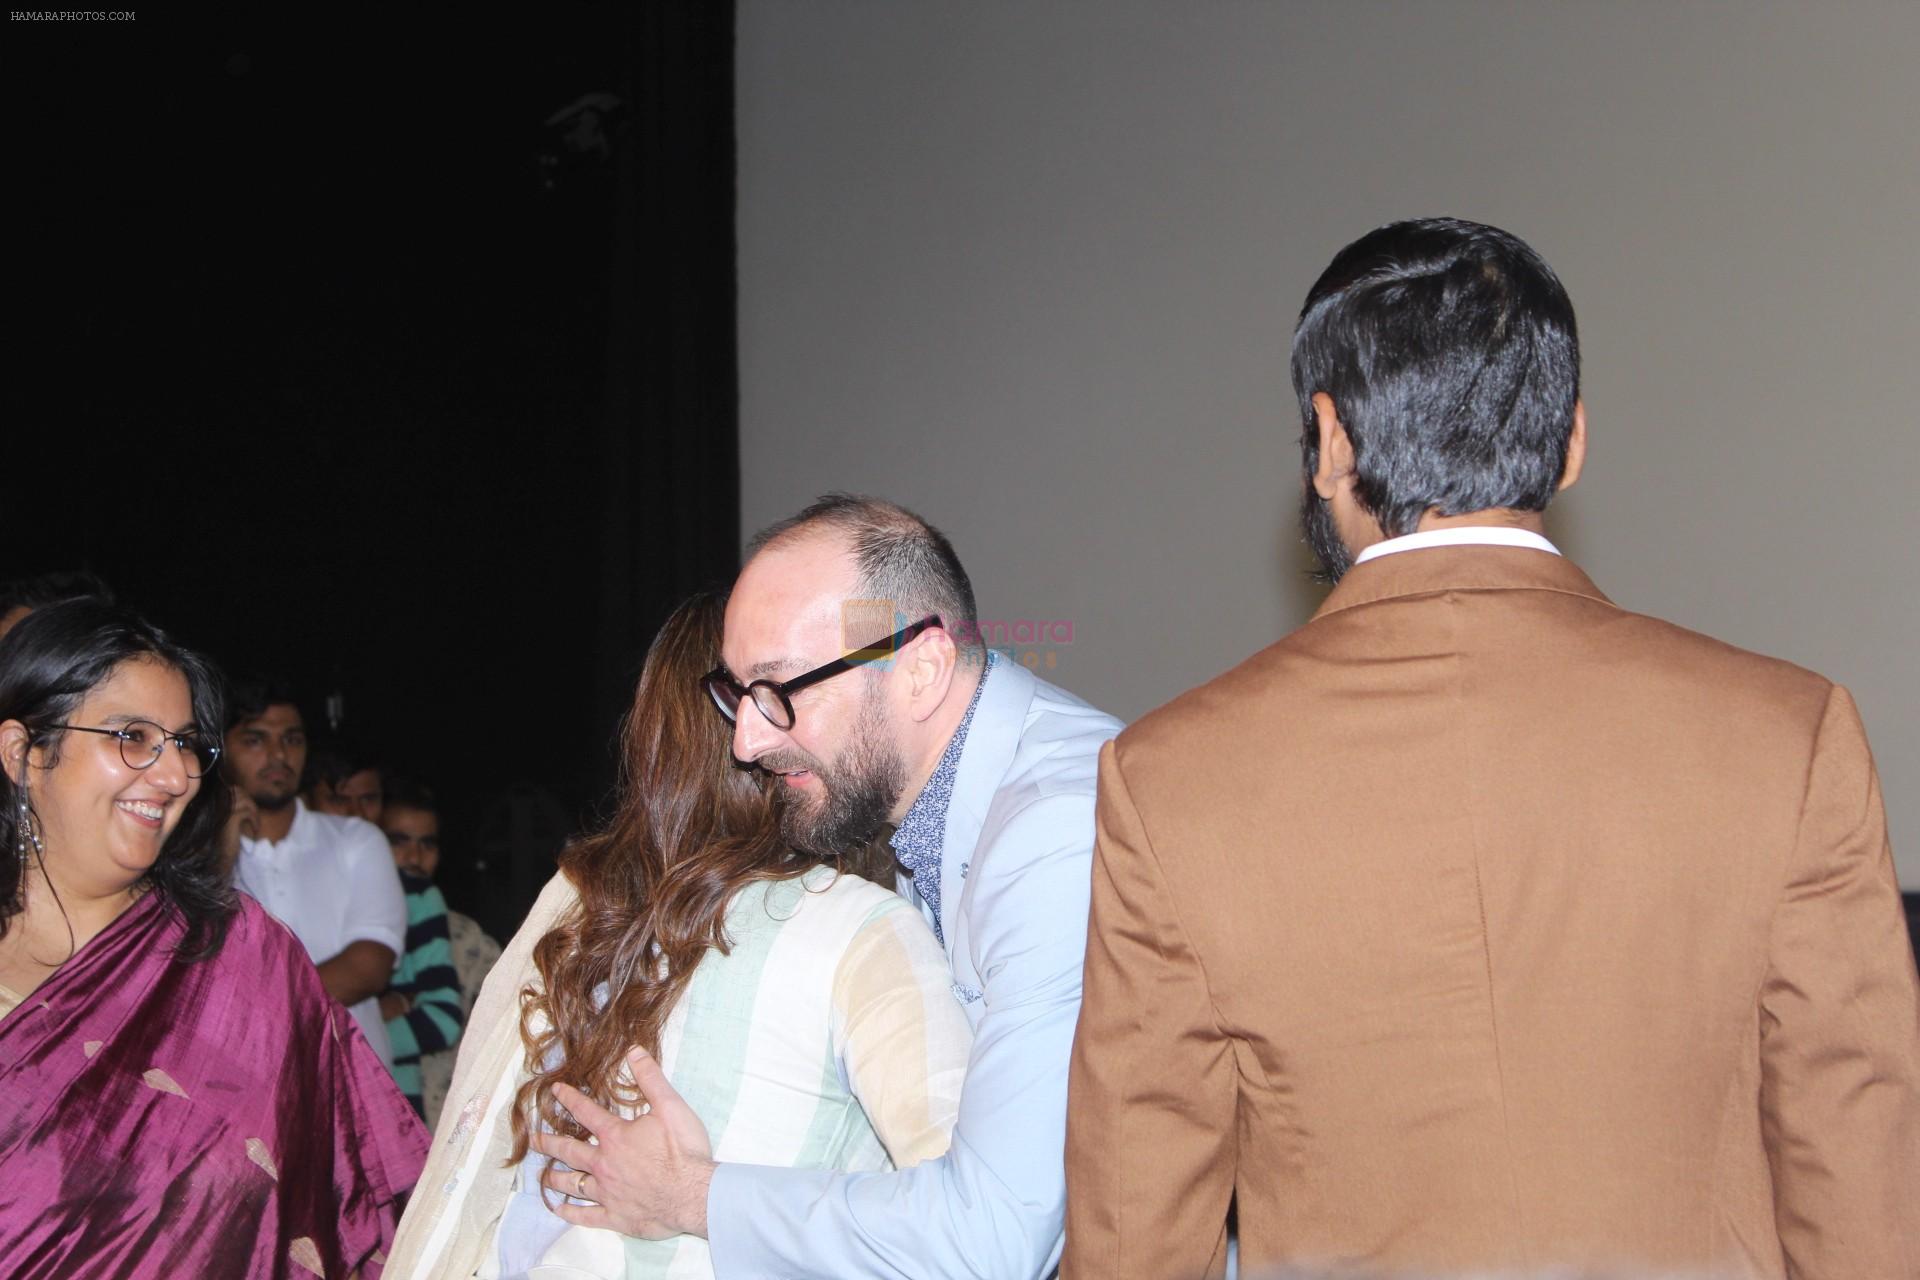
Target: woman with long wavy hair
[[803, 1012]]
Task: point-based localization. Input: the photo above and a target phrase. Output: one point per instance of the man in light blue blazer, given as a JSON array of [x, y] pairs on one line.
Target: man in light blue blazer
[[989, 774]]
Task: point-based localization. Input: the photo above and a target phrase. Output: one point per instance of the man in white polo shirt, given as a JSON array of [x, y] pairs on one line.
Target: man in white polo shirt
[[329, 879]]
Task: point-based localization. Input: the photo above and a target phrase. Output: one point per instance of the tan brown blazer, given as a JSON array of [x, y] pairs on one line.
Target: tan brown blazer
[[1482, 923]]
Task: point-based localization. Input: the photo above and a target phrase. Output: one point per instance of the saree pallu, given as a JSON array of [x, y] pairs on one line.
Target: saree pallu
[[221, 1118]]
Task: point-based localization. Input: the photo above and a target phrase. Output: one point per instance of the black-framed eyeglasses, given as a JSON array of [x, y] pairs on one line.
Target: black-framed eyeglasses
[[774, 698], [142, 741]]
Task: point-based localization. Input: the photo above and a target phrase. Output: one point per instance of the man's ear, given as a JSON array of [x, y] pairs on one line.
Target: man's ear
[[1336, 450], [1576, 447], [928, 665], [14, 741]]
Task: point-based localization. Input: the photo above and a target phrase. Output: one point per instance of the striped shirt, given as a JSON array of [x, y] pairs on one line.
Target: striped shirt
[[426, 976], [825, 1039]]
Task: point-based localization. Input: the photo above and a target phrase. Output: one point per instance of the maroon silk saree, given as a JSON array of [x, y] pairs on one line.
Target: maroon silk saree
[[222, 1118]]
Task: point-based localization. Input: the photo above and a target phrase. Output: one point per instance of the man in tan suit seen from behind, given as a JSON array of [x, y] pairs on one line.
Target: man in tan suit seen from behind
[[1481, 923]]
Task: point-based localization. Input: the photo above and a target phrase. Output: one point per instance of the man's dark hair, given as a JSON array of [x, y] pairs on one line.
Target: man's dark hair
[[335, 759], [1450, 354], [405, 793], [900, 557], [249, 697], [43, 589], [48, 665]]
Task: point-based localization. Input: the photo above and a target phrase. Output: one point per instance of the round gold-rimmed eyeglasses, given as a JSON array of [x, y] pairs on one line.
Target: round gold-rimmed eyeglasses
[[142, 742]]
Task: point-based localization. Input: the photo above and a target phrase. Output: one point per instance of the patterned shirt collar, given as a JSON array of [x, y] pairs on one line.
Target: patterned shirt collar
[[919, 840]]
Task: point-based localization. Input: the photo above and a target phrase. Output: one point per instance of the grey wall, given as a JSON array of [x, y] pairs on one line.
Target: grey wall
[[1031, 268]]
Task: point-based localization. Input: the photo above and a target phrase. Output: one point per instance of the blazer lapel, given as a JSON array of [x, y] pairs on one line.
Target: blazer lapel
[[992, 739]]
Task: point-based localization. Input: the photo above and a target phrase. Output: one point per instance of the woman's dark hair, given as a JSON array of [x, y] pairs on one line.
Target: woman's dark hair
[[1451, 356], [49, 663], [690, 831], [44, 589]]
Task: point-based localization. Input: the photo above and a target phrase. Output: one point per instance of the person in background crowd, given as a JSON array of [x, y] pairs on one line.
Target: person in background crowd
[[345, 781], [682, 927], [987, 774], [415, 838], [1480, 923], [23, 595], [331, 879], [422, 1004], [178, 1094]]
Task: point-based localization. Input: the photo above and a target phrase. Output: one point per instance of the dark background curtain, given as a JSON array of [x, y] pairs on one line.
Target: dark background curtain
[[393, 355]]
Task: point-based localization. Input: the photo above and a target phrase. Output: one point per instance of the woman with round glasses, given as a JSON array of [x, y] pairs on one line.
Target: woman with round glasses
[[178, 1095], [805, 1013]]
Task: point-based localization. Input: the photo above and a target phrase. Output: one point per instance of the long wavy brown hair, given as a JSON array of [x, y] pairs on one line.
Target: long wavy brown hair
[[689, 832]]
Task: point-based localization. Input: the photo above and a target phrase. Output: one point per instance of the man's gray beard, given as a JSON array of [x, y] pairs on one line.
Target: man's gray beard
[[857, 796], [1316, 523]]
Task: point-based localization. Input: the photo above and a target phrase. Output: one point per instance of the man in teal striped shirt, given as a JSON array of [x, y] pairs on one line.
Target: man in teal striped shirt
[[422, 1006]]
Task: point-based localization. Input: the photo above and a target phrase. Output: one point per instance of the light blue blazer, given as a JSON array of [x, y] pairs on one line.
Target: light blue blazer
[[1014, 879]]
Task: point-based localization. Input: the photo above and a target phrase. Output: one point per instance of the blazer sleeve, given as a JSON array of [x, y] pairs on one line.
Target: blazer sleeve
[[994, 1204], [1152, 1092], [1840, 1029]]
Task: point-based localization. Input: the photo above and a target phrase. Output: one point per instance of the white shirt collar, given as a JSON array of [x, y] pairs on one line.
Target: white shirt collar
[[296, 837], [1460, 536]]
